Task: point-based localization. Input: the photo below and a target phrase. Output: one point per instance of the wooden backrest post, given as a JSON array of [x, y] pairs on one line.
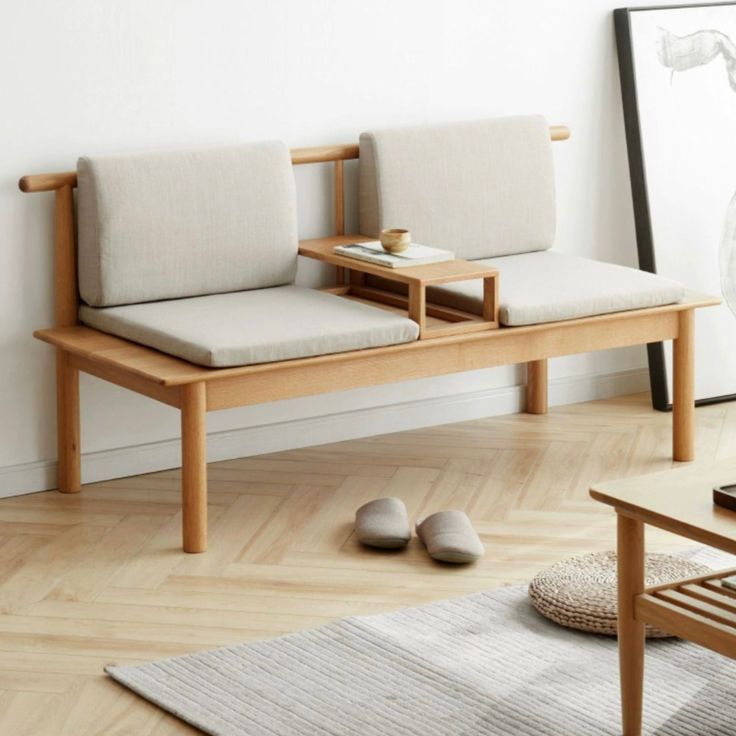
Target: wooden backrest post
[[339, 198], [66, 295]]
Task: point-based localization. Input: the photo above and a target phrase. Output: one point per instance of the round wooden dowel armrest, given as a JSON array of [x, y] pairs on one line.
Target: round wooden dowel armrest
[[47, 182]]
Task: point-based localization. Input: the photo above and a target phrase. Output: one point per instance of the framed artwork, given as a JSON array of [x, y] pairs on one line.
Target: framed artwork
[[678, 81]]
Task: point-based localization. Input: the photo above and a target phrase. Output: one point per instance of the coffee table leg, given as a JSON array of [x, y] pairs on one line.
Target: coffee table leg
[[630, 631]]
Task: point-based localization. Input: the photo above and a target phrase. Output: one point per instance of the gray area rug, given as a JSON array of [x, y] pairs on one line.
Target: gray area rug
[[482, 664]]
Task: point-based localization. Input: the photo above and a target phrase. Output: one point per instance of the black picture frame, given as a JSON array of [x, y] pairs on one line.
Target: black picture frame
[[637, 173]]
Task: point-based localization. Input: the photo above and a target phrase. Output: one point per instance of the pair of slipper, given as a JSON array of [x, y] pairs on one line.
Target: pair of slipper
[[448, 535]]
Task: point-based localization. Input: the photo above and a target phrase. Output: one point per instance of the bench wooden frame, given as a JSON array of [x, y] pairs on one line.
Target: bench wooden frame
[[195, 390]]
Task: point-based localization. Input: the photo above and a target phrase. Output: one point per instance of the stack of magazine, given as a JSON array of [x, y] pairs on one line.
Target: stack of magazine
[[414, 255]]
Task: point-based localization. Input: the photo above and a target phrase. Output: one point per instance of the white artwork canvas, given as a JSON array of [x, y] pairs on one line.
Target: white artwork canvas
[[682, 62]]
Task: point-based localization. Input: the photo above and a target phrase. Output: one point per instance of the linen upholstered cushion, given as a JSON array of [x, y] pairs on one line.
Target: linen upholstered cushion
[[165, 225], [549, 287], [481, 189], [258, 326]]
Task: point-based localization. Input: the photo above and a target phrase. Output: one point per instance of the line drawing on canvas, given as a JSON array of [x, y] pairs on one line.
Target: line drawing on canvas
[[680, 53]]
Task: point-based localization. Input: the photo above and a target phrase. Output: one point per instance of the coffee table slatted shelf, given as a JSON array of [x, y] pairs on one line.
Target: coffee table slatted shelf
[[699, 609], [434, 320]]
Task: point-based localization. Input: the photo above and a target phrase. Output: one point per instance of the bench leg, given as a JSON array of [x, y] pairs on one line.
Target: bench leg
[[68, 472], [536, 387], [194, 466], [683, 389], [630, 631]]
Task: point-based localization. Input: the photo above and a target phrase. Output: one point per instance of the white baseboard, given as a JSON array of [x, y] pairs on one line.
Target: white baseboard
[[16, 480]]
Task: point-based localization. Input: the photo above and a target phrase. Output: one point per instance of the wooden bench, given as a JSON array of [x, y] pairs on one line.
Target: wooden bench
[[195, 390]]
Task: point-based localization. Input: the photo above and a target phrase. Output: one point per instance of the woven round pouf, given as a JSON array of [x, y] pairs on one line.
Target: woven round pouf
[[581, 592]]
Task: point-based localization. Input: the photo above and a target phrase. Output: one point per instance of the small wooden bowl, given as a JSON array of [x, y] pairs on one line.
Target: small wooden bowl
[[395, 240]]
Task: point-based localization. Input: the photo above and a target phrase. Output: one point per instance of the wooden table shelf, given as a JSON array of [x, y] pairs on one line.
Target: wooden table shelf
[[701, 610], [434, 320]]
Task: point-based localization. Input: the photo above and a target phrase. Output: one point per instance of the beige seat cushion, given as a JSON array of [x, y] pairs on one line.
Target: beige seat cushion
[[167, 225], [258, 326], [482, 188], [550, 287]]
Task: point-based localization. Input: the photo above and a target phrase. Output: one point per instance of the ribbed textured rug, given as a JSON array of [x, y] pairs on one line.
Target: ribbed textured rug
[[484, 664]]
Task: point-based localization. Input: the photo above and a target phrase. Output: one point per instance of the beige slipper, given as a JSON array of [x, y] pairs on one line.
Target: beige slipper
[[449, 536], [383, 523]]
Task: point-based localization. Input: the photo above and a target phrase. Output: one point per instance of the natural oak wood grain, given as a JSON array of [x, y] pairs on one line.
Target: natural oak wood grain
[[339, 204], [47, 182], [679, 501], [683, 388], [698, 605], [717, 587], [703, 593], [66, 298], [490, 298], [323, 249], [401, 302], [170, 395], [122, 356], [418, 306], [194, 467], [687, 625], [324, 154], [536, 387], [415, 279], [67, 424], [631, 639]]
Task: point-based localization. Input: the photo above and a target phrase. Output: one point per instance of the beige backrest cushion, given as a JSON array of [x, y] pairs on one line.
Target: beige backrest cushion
[[482, 188], [167, 225]]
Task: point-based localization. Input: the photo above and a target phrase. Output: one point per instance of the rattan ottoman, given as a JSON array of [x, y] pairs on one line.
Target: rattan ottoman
[[581, 592]]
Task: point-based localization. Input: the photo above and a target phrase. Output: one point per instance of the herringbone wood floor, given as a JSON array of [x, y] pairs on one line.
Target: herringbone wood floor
[[98, 577]]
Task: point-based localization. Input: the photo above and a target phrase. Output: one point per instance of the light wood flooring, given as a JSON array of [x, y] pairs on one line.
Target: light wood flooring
[[99, 577]]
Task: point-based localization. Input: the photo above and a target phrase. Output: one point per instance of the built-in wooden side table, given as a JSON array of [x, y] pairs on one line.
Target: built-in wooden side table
[[699, 609], [445, 320]]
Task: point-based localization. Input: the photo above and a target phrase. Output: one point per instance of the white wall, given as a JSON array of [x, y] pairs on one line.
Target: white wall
[[85, 76]]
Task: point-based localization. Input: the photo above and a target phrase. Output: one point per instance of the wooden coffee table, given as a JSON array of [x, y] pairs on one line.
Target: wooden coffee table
[[698, 609]]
